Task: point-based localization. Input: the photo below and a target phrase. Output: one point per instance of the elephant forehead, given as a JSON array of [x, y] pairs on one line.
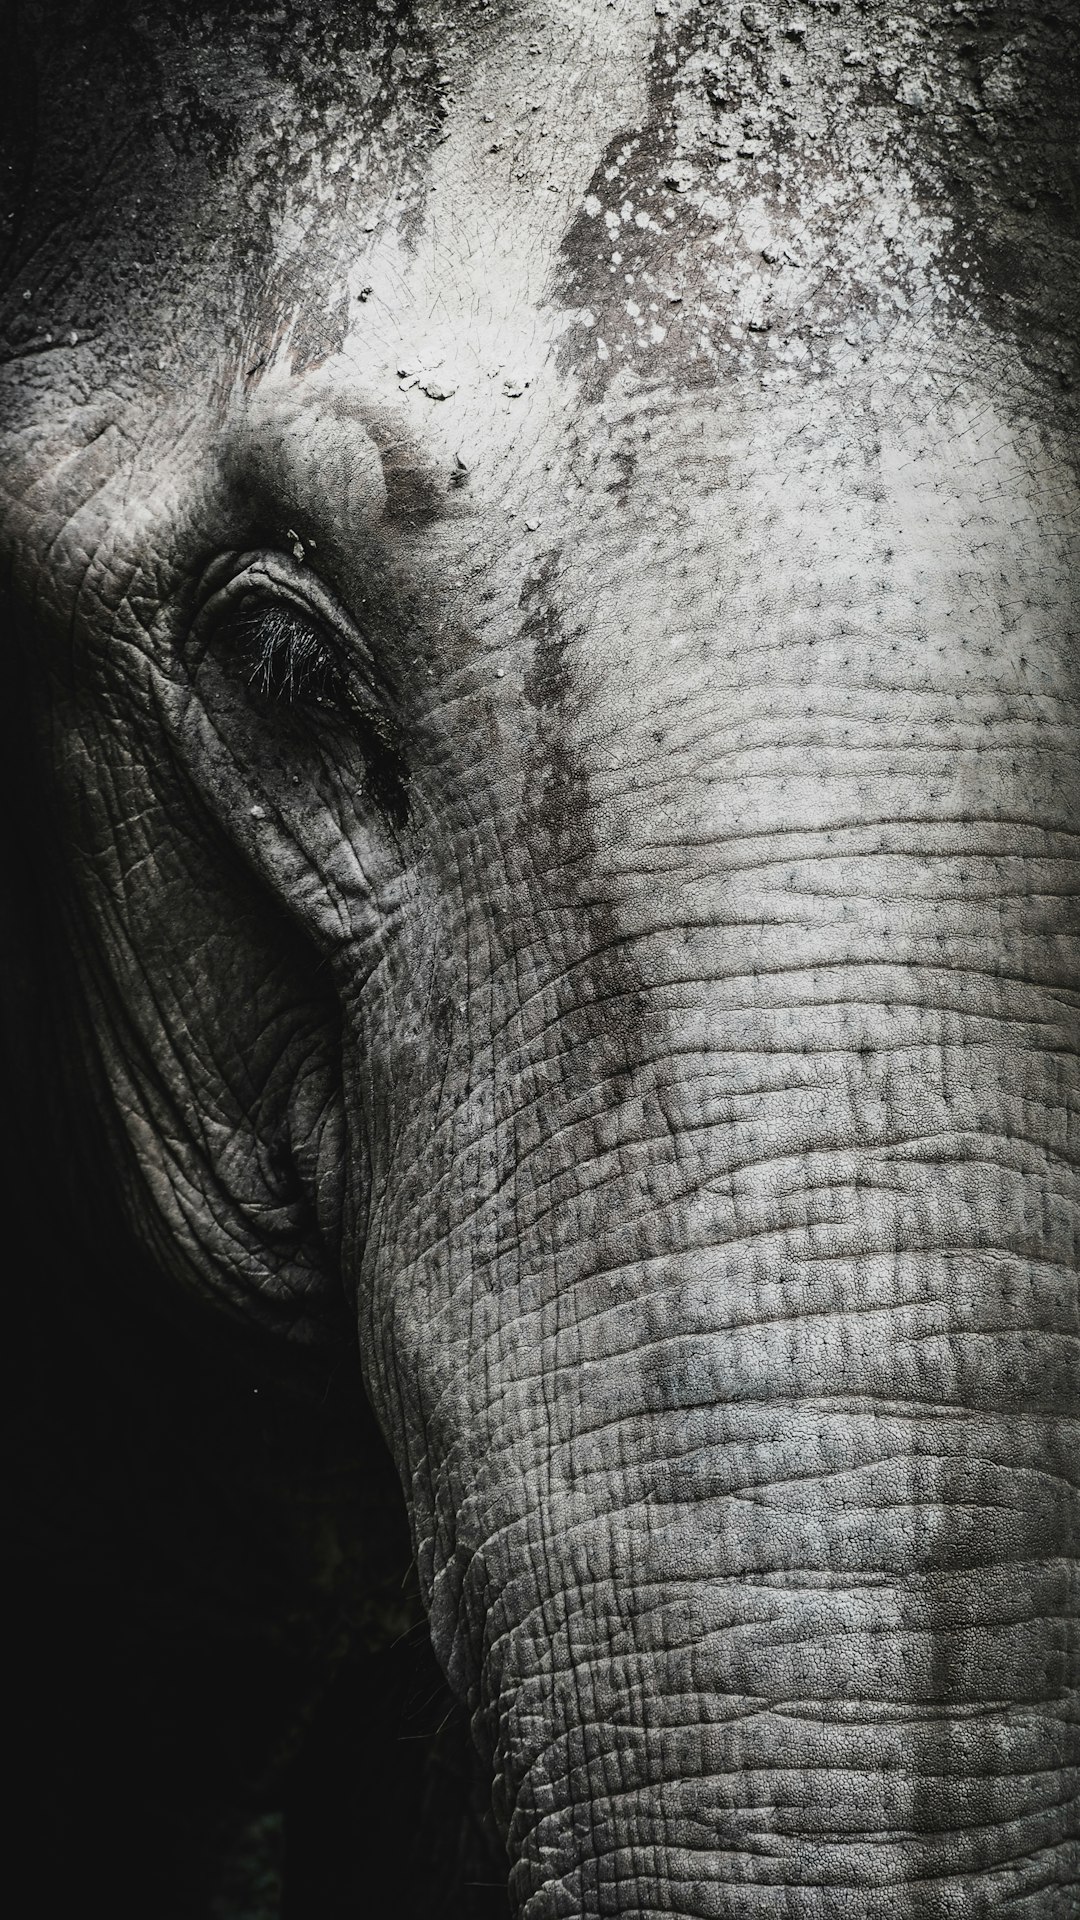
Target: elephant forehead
[[499, 253], [631, 199], [696, 192], [681, 192]]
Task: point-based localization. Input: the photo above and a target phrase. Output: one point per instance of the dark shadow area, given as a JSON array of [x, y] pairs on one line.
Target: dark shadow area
[[220, 1701]]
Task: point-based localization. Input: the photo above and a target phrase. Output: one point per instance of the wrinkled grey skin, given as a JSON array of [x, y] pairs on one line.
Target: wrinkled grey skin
[[643, 977]]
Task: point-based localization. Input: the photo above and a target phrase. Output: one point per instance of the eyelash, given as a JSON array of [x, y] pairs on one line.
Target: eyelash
[[292, 663]]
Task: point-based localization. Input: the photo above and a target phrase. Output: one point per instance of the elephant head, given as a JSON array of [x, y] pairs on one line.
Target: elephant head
[[545, 547]]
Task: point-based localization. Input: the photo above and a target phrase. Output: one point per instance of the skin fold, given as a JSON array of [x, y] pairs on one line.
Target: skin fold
[[541, 554]]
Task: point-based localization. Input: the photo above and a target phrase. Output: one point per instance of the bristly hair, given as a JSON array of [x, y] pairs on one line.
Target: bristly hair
[[292, 661]]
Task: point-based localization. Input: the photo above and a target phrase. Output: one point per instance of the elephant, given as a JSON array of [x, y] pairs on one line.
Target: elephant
[[541, 558]]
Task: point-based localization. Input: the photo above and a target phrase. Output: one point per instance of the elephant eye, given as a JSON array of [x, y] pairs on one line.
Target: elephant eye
[[286, 661], [290, 662]]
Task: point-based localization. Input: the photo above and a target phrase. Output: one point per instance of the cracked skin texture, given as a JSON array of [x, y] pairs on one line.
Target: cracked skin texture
[[680, 1090]]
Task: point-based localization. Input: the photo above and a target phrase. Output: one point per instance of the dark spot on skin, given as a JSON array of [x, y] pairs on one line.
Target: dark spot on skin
[[547, 680], [1007, 133], [415, 491], [641, 166], [600, 993], [977, 125], [561, 804], [624, 460], [387, 776]]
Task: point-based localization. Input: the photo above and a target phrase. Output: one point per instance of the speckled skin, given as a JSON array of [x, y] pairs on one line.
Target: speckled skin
[[675, 404]]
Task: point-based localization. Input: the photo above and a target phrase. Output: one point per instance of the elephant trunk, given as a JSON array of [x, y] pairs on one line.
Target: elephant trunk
[[772, 1558], [750, 1460], [799, 1643]]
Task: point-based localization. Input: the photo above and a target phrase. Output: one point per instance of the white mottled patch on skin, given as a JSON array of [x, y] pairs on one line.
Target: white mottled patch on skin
[[467, 297]]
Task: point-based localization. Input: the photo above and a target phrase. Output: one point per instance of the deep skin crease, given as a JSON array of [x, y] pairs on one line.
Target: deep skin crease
[[635, 985]]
